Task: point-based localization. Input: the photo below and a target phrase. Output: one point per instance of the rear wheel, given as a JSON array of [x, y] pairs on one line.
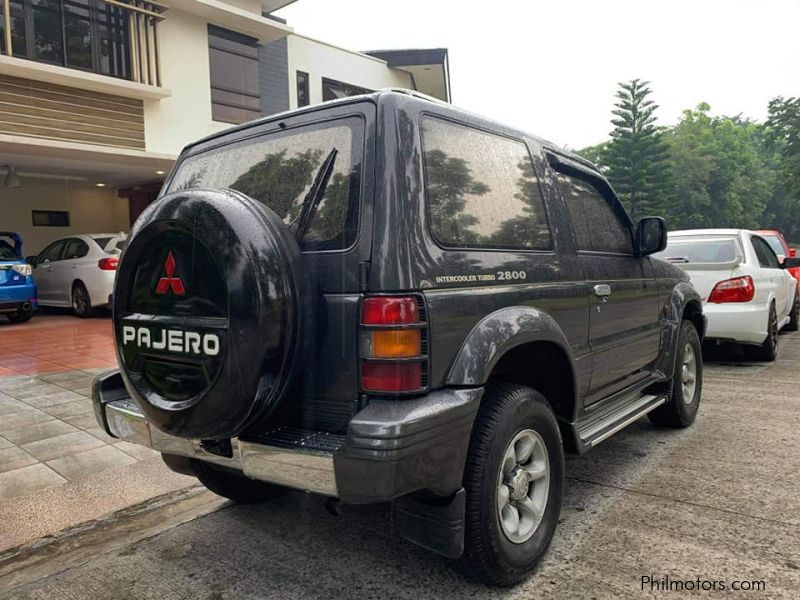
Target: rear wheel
[[768, 351], [235, 486], [514, 483], [794, 316], [81, 302], [687, 382]]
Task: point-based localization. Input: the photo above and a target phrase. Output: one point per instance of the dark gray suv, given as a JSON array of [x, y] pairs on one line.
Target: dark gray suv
[[388, 299]]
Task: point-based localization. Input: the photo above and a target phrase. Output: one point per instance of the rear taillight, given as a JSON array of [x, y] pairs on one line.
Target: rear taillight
[[738, 289], [393, 344], [108, 264]]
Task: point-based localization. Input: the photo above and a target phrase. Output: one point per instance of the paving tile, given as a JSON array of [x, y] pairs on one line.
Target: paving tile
[[59, 377], [28, 479], [71, 409], [28, 416], [83, 421], [4, 443], [100, 434], [14, 382], [77, 383], [39, 389], [9, 405], [135, 450], [62, 445], [38, 431], [98, 370], [82, 464], [14, 458], [59, 397]]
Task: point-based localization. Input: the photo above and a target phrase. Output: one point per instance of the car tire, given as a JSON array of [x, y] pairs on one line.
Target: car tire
[[768, 351], [794, 316], [20, 316], [681, 408], [235, 486], [513, 420], [81, 301]]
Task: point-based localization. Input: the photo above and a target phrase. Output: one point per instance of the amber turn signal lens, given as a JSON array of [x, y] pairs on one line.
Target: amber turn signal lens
[[396, 343]]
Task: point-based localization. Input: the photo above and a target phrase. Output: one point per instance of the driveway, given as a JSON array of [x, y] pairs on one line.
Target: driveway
[[719, 501]]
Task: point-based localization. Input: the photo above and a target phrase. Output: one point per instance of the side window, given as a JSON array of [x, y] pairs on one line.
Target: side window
[[766, 257], [482, 190], [597, 227], [52, 253], [75, 249]]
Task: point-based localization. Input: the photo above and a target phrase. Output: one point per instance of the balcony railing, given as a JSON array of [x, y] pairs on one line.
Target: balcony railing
[[119, 38]]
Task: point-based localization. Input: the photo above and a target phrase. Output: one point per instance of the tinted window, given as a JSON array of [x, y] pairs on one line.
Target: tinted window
[[75, 249], [52, 252], [703, 250], [102, 241], [595, 224], [302, 89], [766, 257], [775, 244], [278, 170], [482, 189], [233, 58], [50, 218]]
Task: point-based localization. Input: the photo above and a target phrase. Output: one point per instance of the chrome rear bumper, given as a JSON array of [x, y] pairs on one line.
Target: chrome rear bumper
[[307, 469]]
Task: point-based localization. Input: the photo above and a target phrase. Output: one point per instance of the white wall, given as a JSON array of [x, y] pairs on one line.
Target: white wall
[[319, 60], [91, 210], [185, 116]]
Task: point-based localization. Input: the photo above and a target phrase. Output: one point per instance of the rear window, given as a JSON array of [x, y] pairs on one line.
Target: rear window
[[7, 251], [278, 170], [482, 189], [703, 250]]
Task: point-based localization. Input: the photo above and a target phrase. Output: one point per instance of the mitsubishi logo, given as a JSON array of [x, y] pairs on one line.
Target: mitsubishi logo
[[170, 282]]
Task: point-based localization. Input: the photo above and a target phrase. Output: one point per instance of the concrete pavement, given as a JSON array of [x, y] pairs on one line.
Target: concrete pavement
[[719, 501]]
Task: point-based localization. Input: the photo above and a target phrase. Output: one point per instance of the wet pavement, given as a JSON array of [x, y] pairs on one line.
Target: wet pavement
[[718, 502]]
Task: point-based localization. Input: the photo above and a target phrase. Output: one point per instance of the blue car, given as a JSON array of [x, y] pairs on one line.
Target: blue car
[[17, 288]]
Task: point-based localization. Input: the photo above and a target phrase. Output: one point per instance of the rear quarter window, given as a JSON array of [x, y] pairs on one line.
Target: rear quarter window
[[278, 170], [482, 190]]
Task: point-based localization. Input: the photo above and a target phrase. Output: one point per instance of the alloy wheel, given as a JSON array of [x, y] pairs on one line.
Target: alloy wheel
[[689, 373]]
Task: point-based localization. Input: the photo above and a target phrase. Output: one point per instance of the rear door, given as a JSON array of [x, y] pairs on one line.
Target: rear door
[[624, 329], [67, 270], [773, 276], [44, 274]]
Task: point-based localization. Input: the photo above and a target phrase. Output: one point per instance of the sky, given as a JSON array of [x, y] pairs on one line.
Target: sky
[[551, 68]]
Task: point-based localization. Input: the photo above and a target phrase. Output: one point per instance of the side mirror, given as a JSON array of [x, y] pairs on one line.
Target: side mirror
[[791, 262], [651, 235], [31, 260]]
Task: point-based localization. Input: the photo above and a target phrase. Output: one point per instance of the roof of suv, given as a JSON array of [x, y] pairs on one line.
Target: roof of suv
[[382, 95]]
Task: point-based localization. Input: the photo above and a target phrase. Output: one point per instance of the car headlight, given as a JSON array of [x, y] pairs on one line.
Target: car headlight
[[25, 270]]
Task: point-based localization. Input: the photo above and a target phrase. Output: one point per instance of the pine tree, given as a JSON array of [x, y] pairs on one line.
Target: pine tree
[[637, 157]]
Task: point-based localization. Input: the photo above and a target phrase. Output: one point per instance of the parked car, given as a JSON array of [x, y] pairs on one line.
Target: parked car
[[17, 287], [78, 271], [779, 245], [385, 298], [748, 292]]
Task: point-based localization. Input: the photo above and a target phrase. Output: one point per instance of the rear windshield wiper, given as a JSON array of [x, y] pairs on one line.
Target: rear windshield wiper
[[309, 208]]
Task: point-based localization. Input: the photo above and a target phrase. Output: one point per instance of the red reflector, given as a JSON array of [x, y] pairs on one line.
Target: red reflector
[[389, 310], [738, 289], [391, 377], [108, 264]]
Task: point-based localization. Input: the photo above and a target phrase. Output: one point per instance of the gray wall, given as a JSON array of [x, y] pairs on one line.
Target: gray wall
[[273, 77]]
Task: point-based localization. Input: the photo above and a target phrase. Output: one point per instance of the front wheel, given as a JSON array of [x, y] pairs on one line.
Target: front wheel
[[687, 382], [235, 486], [514, 480]]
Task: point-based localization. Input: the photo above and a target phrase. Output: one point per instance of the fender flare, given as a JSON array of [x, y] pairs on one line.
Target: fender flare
[[498, 333], [681, 295]]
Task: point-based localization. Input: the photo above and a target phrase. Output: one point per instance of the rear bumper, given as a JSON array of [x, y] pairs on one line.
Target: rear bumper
[[744, 323], [391, 448], [14, 297]]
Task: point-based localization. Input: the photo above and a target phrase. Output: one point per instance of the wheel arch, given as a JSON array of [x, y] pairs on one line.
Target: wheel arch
[[522, 345]]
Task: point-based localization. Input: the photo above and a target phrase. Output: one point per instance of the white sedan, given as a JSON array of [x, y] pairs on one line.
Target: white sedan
[[748, 295], [78, 271]]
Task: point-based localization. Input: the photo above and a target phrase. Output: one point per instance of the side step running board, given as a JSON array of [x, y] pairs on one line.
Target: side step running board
[[617, 417]]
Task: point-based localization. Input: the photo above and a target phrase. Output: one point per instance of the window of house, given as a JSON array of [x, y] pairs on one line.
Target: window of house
[[50, 218], [81, 34], [303, 98], [482, 189], [332, 89], [235, 95], [597, 227]]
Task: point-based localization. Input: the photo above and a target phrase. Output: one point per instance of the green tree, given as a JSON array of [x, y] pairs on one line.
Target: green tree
[[636, 159], [782, 145]]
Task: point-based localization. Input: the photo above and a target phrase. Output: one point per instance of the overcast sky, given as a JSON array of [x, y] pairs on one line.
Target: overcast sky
[[551, 67]]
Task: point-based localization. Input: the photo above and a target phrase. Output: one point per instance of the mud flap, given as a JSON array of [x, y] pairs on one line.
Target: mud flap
[[436, 524]]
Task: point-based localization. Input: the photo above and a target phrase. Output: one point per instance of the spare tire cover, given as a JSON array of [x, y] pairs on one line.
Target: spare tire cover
[[208, 313]]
